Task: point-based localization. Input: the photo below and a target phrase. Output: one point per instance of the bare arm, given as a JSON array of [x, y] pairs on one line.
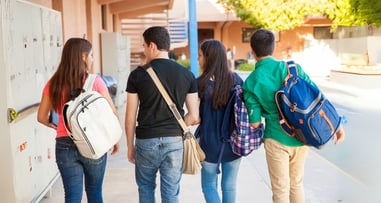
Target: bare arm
[[130, 124], [44, 111], [340, 135], [192, 103]]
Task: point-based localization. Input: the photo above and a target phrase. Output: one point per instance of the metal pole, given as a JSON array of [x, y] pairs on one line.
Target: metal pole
[[193, 39]]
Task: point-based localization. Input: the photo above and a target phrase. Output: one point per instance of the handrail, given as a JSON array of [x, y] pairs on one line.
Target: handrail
[[14, 115]]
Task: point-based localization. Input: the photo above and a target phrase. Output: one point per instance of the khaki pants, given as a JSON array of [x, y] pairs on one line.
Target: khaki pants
[[286, 169]]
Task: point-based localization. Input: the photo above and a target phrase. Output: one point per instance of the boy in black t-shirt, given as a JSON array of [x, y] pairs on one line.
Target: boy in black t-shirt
[[158, 145]]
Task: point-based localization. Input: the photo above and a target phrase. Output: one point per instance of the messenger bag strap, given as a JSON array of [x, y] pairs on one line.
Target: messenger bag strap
[[168, 100]]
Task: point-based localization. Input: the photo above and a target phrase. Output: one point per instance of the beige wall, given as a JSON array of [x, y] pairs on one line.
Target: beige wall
[[73, 17], [94, 28], [230, 33], [292, 40], [235, 39]]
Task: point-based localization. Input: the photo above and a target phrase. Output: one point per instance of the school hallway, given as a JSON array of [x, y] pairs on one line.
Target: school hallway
[[347, 173]]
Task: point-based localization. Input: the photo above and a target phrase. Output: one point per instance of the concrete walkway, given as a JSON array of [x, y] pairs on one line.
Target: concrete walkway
[[324, 183]]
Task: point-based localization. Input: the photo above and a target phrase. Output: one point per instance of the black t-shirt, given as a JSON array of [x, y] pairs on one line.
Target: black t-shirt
[[155, 119]]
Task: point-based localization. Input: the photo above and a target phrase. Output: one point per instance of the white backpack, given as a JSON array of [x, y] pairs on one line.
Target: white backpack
[[91, 122]]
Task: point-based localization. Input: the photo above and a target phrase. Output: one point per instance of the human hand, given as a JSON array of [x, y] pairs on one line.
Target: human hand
[[131, 154], [51, 125], [255, 125], [115, 149], [340, 135]]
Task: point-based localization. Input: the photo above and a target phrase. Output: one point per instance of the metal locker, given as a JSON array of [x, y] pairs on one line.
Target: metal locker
[[27, 60], [116, 62]]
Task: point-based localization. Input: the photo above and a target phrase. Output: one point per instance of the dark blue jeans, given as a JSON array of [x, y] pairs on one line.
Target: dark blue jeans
[[75, 168]]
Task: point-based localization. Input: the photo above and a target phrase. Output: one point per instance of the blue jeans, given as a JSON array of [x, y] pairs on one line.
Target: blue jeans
[[74, 168], [164, 154], [209, 181]]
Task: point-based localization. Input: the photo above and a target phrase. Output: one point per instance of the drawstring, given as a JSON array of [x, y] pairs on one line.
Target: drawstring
[[220, 158]]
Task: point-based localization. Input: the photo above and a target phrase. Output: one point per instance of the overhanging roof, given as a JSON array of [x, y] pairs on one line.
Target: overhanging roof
[[133, 8]]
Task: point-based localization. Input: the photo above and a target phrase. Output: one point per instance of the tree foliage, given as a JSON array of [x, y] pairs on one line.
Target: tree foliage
[[341, 13], [287, 14], [367, 11]]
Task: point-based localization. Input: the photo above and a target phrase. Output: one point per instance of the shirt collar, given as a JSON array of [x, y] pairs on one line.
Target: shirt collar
[[265, 61]]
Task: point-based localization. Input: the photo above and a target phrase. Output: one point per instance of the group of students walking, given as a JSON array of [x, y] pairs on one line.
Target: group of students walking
[[154, 138]]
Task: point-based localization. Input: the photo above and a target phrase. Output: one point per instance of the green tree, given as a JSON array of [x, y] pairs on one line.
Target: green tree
[[287, 14], [341, 13], [367, 11]]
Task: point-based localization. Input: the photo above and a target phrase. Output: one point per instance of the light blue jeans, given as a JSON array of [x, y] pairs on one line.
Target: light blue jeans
[[209, 181], [76, 169], [164, 154]]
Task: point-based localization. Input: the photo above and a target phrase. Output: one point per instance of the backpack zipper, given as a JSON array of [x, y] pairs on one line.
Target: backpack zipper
[[80, 106], [294, 107]]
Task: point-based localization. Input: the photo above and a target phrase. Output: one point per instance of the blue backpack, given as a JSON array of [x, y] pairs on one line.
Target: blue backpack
[[243, 138], [304, 112]]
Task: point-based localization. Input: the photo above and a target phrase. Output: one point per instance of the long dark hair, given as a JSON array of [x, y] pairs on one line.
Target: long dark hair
[[70, 73], [216, 67]]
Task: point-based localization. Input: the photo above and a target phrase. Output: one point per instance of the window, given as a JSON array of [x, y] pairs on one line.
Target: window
[[322, 33], [246, 34]]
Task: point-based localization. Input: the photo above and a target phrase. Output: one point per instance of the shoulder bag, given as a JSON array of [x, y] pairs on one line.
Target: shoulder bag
[[193, 154]]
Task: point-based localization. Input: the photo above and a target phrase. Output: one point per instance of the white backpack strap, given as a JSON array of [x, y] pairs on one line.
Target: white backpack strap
[[89, 83]]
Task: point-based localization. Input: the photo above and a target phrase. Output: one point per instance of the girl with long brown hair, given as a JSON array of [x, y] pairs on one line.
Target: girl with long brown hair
[[76, 63]]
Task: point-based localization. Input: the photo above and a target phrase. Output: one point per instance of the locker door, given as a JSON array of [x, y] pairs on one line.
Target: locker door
[[26, 59], [52, 40], [22, 134], [32, 145]]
